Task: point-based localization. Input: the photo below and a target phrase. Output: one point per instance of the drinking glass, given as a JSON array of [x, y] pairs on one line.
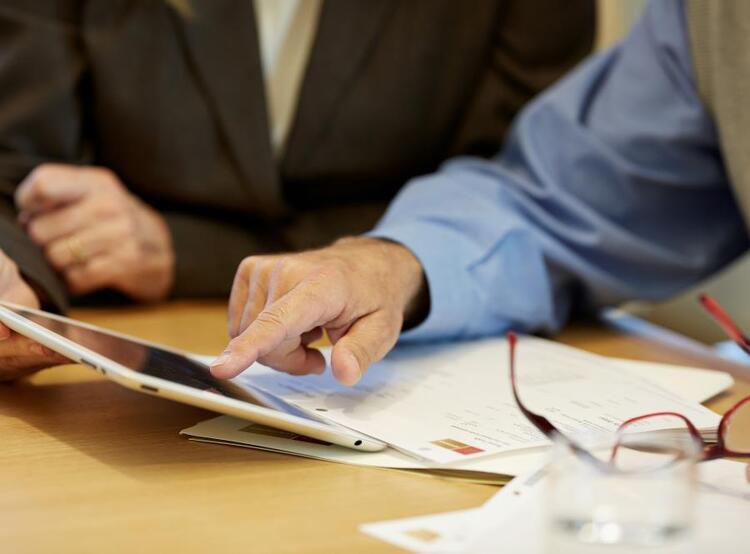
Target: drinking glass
[[640, 498]]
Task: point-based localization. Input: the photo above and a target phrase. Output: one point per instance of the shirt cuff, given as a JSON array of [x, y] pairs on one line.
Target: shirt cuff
[[445, 272]]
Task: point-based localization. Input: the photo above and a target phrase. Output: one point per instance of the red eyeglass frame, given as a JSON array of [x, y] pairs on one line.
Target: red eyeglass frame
[[725, 322], [707, 451]]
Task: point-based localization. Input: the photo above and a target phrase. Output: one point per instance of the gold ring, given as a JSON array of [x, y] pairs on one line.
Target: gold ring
[[76, 250]]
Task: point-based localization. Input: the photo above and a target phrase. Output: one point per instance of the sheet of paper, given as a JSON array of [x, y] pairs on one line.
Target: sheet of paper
[[692, 383], [513, 519], [453, 403], [453, 532], [445, 533], [237, 432]]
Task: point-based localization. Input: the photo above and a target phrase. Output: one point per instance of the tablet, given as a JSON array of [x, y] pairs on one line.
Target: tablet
[[156, 370]]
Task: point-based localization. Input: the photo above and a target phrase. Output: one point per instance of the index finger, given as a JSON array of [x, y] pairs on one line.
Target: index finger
[[305, 307]]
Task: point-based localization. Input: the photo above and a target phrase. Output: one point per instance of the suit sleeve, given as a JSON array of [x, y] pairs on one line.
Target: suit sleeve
[[209, 248], [535, 42], [41, 71]]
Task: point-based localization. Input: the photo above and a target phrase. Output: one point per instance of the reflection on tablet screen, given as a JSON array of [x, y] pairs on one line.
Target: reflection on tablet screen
[[138, 357]]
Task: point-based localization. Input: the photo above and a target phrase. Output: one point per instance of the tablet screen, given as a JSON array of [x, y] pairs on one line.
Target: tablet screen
[[139, 357]]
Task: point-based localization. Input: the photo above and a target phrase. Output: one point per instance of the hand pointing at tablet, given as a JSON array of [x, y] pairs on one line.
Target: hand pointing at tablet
[[359, 290]]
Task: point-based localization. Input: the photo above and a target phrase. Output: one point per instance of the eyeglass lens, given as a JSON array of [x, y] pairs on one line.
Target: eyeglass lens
[[651, 442]]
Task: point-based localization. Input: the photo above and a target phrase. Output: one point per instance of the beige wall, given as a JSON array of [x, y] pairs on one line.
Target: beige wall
[[615, 18]]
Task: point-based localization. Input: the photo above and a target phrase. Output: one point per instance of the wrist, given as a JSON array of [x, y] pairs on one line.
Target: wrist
[[399, 271], [413, 284], [158, 267]]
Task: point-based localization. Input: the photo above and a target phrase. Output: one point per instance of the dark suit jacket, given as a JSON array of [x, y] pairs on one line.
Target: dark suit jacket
[[175, 106]]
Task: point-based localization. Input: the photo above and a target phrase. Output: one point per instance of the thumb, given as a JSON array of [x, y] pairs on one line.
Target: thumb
[[366, 342]]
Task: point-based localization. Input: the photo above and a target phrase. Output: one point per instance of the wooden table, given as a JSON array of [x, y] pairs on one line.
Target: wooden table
[[87, 466]]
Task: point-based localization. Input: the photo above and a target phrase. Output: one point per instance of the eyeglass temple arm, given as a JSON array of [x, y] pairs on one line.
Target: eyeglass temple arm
[[725, 321], [539, 421]]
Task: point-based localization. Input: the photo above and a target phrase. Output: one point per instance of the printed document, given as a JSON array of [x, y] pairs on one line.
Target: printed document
[[453, 403]]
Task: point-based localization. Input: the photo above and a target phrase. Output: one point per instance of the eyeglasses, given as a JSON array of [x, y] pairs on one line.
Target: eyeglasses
[[684, 439]]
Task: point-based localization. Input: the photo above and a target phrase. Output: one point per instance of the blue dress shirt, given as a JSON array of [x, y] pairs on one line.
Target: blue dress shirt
[[611, 186]]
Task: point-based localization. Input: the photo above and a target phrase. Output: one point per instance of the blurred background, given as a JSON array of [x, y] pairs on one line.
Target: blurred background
[[615, 19]]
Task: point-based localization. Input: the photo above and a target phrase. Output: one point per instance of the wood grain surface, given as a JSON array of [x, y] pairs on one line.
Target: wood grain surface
[[87, 466]]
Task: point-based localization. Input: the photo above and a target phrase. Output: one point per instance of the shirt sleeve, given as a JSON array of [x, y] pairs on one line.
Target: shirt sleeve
[[610, 187]]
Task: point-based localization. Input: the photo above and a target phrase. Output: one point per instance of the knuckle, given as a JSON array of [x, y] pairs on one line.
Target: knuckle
[[337, 266], [106, 174], [42, 173], [263, 273], [247, 264], [240, 346], [309, 295], [252, 267], [131, 251], [124, 227], [54, 255], [106, 179], [284, 263], [36, 184], [273, 319], [43, 186], [333, 271], [37, 231], [275, 275], [107, 205]]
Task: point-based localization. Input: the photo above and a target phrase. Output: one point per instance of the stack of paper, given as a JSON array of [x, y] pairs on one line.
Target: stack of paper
[[451, 406]]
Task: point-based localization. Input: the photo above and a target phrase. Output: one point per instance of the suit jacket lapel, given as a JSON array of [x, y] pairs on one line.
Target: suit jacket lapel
[[222, 42], [345, 36]]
